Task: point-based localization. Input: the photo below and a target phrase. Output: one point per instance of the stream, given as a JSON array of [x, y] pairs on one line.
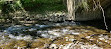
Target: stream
[[53, 35], [44, 25]]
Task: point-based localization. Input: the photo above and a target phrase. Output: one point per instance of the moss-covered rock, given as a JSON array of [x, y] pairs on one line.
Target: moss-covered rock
[[8, 45], [41, 43], [21, 44]]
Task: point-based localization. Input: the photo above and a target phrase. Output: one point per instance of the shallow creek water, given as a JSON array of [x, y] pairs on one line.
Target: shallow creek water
[[65, 35]]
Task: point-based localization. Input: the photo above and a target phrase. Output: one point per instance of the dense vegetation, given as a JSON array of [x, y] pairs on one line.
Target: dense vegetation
[[33, 5]]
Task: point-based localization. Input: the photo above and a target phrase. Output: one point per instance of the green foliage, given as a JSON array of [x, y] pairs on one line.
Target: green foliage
[[1, 2], [83, 5], [41, 1], [43, 5], [32, 3], [35, 5]]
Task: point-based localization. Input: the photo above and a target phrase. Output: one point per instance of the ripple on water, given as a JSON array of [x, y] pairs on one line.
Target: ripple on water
[[61, 37]]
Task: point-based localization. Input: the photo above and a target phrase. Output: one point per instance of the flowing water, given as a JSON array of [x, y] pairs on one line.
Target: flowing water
[[44, 25], [62, 34]]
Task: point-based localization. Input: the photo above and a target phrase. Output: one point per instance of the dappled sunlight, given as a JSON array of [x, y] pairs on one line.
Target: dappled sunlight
[[55, 24]]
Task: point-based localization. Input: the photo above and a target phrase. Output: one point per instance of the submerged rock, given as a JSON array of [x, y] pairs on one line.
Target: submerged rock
[[21, 44], [7, 45], [70, 42], [59, 37], [41, 43]]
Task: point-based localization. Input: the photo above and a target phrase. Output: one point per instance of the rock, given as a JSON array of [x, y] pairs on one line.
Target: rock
[[63, 42], [8, 45], [41, 43], [21, 44], [60, 37]]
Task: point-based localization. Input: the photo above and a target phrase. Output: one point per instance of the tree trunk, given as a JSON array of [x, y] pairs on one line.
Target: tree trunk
[[71, 9]]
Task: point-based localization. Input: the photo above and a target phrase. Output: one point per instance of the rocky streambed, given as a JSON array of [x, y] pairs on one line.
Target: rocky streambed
[[56, 36]]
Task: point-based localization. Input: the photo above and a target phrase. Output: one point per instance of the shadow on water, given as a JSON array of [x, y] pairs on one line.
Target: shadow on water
[[44, 24], [98, 23]]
